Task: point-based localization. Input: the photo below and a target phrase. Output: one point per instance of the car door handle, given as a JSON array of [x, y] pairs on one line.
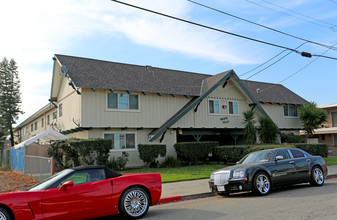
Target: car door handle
[[292, 162], [308, 160]]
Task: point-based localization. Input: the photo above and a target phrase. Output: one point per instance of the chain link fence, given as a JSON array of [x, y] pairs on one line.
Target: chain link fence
[[38, 167]]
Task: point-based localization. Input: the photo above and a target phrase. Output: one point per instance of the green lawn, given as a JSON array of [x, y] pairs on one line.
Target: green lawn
[[330, 160], [194, 172], [180, 173]]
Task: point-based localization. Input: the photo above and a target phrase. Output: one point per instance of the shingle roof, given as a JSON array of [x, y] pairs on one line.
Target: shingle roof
[[91, 73], [274, 93]]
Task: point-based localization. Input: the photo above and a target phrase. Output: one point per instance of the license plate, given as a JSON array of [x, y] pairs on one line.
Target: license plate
[[221, 188]]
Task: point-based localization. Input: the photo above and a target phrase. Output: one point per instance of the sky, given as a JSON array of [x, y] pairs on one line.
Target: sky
[[33, 31]]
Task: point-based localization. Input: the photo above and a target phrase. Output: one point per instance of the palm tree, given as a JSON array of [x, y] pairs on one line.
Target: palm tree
[[250, 129], [312, 117]]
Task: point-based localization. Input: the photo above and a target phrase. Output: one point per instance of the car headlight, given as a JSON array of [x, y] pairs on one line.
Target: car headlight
[[239, 174], [211, 178]]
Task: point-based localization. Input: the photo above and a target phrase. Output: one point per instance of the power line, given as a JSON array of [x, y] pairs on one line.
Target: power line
[[204, 26], [263, 63], [269, 28], [287, 14], [303, 15], [288, 77], [305, 54], [274, 62]]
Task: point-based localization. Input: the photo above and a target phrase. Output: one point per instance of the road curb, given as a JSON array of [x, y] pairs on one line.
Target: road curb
[[331, 176], [184, 198]]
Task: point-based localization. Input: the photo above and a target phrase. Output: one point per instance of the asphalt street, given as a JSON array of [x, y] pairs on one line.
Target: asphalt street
[[294, 202]]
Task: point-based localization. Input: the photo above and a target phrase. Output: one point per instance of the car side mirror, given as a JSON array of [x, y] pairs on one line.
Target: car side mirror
[[279, 158], [66, 185]]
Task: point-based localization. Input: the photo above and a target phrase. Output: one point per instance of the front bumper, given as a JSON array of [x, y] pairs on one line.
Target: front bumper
[[231, 186]]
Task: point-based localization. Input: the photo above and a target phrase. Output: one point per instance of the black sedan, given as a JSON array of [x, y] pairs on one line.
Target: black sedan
[[260, 171]]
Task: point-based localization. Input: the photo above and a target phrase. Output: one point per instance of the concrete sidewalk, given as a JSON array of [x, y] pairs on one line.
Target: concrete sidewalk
[[186, 190]]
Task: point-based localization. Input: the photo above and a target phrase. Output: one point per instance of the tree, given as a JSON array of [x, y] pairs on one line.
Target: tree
[[312, 117], [10, 97], [268, 130], [3, 133], [250, 129]]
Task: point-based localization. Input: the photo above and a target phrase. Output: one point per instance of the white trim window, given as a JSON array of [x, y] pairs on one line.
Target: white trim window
[[290, 111], [121, 101], [60, 110], [214, 106], [233, 108], [122, 141]]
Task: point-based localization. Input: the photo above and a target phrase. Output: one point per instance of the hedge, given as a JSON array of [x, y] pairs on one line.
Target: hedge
[[230, 153], [234, 153], [194, 151], [75, 152], [149, 153], [314, 149], [266, 147]]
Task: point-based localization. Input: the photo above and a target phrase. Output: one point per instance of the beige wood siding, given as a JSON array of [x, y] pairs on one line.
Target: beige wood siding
[[203, 118], [153, 111], [275, 111], [141, 138]]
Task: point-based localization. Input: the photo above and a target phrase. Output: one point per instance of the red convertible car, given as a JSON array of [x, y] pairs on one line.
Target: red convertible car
[[82, 193]]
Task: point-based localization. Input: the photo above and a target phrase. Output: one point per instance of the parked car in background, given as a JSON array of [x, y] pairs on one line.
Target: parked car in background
[[260, 171], [82, 193]]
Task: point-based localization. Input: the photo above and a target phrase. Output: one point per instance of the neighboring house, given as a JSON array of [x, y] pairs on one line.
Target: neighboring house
[[133, 104], [327, 134]]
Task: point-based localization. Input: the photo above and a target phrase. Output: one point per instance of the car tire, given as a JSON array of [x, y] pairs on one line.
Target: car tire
[[4, 214], [261, 184], [134, 203], [317, 176]]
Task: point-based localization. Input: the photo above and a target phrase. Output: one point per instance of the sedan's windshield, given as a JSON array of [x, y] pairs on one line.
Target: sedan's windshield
[[47, 182], [257, 157]]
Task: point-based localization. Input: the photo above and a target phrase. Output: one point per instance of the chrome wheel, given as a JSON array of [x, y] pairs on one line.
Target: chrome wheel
[[2, 216], [134, 203], [262, 184], [317, 177]]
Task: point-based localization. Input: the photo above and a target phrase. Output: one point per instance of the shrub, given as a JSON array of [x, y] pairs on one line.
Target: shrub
[[291, 138], [75, 152], [266, 147], [119, 163], [171, 161], [194, 151], [230, 153], [268, 130], [314, 149], [149, 153], [250, 129]]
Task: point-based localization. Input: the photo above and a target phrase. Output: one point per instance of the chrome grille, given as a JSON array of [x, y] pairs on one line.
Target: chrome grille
[[221, 178]]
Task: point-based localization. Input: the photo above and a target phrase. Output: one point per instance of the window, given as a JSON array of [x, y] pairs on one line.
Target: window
[[233, 108], [283, 153], [334, 119], [123, 101], [54, 115], [290, 111], [48, 119], [122, 140], [31, 127], [214, 107], [27, 130], [42, 122], [60, 110], [85, 176], [35, 125], [297, 153]]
